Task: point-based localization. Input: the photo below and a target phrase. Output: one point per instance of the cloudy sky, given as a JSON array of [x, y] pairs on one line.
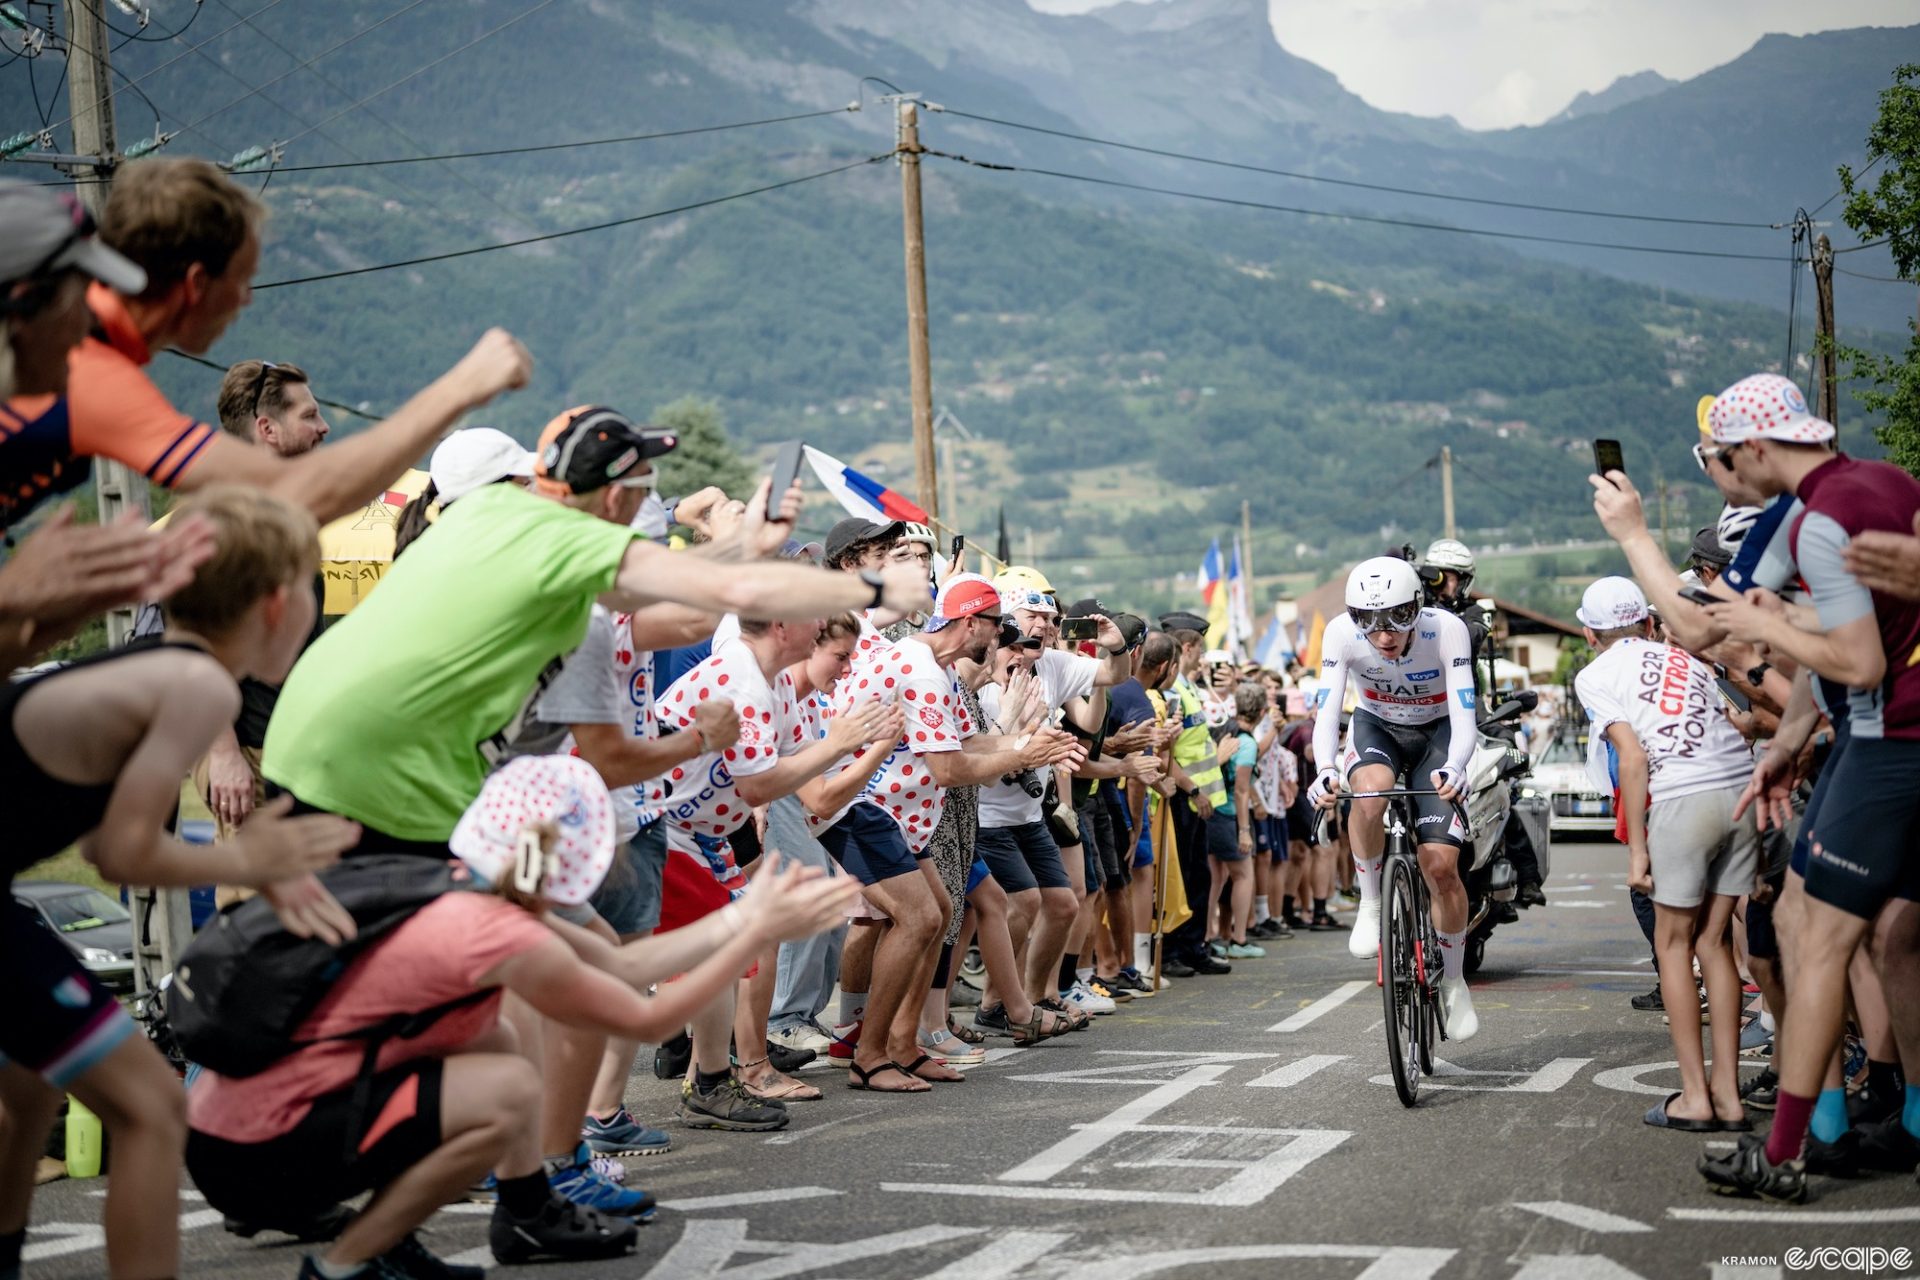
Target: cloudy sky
[[1495, 63]]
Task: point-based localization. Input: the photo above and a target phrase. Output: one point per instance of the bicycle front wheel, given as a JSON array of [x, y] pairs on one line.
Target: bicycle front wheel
[[1405, 1014]]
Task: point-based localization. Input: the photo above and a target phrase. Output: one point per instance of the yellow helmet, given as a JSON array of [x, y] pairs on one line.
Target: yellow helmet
[[1023, 576], [1701, 411]]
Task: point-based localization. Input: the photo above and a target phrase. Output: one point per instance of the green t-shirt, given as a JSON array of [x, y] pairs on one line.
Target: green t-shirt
[[392, 716]]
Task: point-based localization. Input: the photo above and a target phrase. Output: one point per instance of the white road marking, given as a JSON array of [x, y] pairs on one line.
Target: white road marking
[[1798, 1217], [1627, 1079], [1324, 1005], [747, 1199], [1003, 1257], [80, 1237], [1562, 902], [1572, 1266], [1294, 1072], [1089, 1138], [706, 1246], [1389, 1262], [1171, 1060], [790, 1134], [1735, 1271], [1587, 1219], [1552, 1077]]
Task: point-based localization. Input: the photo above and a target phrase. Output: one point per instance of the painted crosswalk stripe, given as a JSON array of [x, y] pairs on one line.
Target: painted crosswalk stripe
[[1294, 1072], [1798, 1217], [1580, 1215], [1324, 1005]]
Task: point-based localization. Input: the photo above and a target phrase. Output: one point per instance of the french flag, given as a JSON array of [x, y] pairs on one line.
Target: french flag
[[863, 495]]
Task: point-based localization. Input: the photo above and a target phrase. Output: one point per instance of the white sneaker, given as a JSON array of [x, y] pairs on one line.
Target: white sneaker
[[1456, 1006], [1163, 982], [1081, 997], [1363, 943], [803, 1036]]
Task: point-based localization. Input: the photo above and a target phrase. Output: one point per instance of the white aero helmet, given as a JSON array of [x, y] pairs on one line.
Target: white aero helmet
[[1735, 522], [1451, 555], [1383, 594]]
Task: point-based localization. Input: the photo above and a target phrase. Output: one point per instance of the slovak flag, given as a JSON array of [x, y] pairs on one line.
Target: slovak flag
[[863, 495]]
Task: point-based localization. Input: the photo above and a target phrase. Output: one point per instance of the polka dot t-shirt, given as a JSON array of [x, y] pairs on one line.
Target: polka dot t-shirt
[[700, 796], [937, 721]]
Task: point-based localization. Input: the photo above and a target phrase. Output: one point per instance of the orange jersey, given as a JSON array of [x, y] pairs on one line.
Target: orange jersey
[[112, 410]]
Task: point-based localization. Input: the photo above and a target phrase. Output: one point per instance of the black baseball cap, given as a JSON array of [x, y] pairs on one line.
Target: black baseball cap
[[591, 446], [853, 531], [1182, 620]]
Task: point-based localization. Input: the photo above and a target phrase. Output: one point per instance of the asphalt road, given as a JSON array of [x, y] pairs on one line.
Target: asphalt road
[[1237, 1120]]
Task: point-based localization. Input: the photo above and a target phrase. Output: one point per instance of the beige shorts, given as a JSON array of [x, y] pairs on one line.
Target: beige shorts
[[1697, 848]]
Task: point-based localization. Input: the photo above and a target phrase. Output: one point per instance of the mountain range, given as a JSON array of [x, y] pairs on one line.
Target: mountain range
[[1130, 366]]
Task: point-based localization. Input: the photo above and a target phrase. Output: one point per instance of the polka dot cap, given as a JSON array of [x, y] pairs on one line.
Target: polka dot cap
[[565, 791], [1765, 406]]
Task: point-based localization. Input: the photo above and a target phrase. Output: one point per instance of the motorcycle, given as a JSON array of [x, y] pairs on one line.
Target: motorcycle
[[1500, 822]]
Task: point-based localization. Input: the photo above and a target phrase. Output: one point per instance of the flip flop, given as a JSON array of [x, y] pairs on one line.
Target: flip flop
[[1742, 1125], [859, 1077], [1659, 1119], [913, 1069]]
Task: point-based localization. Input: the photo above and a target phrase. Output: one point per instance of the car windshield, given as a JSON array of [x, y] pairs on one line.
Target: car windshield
[[1563, 751], [82, 909]]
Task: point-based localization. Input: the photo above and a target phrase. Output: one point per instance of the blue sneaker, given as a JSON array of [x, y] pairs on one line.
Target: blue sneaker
[[622, 1135], [577, 1182]]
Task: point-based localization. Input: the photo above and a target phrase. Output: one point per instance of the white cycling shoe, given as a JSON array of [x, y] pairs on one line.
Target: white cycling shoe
[[1363, 942], [1456, 1005]]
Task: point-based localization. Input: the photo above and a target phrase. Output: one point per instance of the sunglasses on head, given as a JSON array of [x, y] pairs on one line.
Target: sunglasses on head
[[260, 384]]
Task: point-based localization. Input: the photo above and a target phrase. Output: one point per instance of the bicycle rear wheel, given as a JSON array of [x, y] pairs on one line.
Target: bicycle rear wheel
[[1405, 1017]]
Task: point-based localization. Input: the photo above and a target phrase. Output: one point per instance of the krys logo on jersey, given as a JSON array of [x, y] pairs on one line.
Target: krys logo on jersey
[[682, 807]]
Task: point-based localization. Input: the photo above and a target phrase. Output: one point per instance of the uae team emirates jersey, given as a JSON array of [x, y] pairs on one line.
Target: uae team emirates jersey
[[907, 673]]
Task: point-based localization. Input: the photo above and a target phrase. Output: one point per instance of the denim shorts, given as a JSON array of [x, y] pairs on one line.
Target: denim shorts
[[1023, 857], [629, 898]]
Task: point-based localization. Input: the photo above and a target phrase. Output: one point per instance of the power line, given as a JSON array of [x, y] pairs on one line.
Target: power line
[[379, 119], [1842, 191], [1871, 244], [1357, 217], [565, 146], [1497, 487], [148, 75], [222, 369], [1349, 182], [1862, 275], [576, 231], [542, 4], [248, 21]]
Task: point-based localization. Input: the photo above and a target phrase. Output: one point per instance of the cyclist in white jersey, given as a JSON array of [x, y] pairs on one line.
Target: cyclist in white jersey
[[1413, 671]]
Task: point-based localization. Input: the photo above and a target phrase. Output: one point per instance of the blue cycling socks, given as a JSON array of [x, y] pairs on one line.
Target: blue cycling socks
[[1830, 1115], [1910, 1114]]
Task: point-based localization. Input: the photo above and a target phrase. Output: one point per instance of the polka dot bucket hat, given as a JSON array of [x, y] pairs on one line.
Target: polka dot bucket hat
[[499, 836]]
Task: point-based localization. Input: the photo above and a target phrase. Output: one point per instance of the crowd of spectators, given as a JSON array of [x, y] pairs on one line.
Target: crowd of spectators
[[687, 795], [1757, 715]]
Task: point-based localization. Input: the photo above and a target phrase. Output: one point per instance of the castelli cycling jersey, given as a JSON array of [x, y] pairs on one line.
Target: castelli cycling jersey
[[1433, 681]]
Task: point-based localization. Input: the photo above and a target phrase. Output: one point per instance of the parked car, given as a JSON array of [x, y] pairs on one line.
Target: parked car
[[1560, 773], [93, 926]]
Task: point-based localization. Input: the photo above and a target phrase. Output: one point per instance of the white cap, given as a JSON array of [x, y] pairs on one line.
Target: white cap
[[475, 458], [498, 836], [1765, 406], [1612, 602]]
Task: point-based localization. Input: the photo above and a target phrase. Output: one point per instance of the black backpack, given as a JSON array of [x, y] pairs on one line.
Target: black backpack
[[244, 985]]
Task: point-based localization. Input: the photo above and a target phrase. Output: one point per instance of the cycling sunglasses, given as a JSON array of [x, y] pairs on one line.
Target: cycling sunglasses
[[1399, 618], [260, 384], [1704, 454]]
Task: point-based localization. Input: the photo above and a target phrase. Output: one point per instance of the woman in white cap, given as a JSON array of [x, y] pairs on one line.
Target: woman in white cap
[[463, 462], [458, 1099]]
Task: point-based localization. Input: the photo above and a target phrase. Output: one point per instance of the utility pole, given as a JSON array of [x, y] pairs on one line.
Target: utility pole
[[919, 359], [90, 101], [1446, 488], [163, 918], [1829, 401]]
